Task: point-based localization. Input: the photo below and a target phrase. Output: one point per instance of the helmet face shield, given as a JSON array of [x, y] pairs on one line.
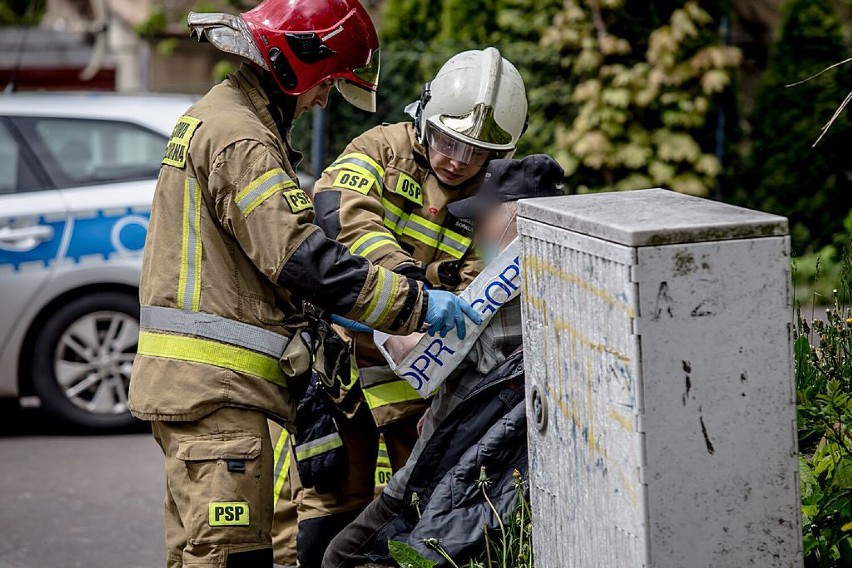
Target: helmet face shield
[[357, 96], [456, 149], [369, 74], [362, 94]]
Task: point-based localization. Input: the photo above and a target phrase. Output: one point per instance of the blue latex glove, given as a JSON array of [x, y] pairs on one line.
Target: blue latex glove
[[446, 311], [350, 324]]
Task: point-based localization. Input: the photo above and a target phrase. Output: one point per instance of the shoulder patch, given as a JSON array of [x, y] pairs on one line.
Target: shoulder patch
[[178, 146], [298, 200], [409, 189], [348, 179]]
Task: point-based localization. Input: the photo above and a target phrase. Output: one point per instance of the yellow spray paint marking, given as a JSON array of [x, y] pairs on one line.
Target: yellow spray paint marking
[[178, 146], [625, 421], [228, 514], [540, 265], [561, 325]]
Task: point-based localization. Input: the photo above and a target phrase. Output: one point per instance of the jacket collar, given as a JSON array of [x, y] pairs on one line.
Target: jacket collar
[[249, 83]]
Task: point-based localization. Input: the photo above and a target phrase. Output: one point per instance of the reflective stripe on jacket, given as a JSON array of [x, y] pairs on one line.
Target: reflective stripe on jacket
[[231, 259]]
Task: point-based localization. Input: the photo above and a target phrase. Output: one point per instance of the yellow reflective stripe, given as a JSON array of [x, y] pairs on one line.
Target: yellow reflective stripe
[[390, 393], [189, 280], [387, 286], [282, 463], [262, 189], [383, 465], [395, 218], [208, 352], [437, 236], [317, 447], [371, 241], [362, 160]]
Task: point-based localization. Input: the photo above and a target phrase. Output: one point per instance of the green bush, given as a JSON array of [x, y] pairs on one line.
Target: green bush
[[823, 358], [785, 174]]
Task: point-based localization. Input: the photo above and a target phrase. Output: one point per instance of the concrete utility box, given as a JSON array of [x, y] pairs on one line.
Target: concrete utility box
[[661, 402]]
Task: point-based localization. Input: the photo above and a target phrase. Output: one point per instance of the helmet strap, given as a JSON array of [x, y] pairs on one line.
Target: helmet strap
[[425, 97]]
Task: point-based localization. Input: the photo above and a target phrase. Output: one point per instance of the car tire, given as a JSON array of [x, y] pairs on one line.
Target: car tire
[[82, 359]]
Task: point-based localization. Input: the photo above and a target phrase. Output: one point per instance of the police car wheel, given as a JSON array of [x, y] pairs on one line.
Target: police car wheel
[[82, 360]]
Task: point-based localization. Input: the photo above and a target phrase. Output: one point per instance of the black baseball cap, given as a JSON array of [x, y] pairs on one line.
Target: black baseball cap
[[538, 175]]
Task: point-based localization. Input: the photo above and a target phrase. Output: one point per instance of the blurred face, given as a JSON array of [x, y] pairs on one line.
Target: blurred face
[[497, 225], [316, 97], [495, 229]]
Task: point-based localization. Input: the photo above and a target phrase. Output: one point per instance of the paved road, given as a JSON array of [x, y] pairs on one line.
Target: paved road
[[70, 499]]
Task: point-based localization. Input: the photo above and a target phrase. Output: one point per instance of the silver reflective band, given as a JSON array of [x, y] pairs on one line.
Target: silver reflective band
[[189, 282], [415, 225], [217, 328], [247, 197], [349, 159], [372, 376], [319, 446]]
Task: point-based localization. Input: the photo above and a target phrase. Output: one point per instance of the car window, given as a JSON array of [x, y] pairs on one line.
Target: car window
[[15, 173], [80, 151]]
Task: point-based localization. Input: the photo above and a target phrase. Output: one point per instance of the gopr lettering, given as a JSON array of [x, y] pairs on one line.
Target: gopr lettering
[[228, 514]]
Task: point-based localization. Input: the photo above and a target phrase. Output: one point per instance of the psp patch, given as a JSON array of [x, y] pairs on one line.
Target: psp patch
[[409, 189], [348, 179], [229, 514], [178, 146], [298, 200]]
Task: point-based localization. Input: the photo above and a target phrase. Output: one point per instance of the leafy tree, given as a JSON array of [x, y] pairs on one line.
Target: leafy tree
[[640, 119], [21, 12], [813, 186]]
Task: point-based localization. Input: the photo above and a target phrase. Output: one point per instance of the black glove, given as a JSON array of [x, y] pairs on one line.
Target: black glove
[[321, 456]]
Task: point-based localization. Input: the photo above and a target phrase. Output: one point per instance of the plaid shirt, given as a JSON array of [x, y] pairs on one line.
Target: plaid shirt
[[499, 339]]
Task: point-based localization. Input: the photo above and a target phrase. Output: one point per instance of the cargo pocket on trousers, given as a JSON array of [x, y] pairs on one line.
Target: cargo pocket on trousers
[[223, 489]]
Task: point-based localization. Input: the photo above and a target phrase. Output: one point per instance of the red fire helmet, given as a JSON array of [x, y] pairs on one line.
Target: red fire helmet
[[303, 43]]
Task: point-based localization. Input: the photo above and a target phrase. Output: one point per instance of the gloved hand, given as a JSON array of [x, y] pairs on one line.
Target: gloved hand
[[321, 456], [446, 311], [350, 324]]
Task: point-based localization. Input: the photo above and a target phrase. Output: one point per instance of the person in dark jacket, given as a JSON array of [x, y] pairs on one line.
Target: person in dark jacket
[[476, 420]]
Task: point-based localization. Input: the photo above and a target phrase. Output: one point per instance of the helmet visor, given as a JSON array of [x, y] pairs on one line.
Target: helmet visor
[[454, 148], [362, 94], [357, 96]]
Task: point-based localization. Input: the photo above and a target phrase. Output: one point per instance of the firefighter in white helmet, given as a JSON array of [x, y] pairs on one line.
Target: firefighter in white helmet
[[385, 198]]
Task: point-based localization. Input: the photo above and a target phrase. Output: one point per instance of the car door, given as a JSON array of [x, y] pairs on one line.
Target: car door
[[34, 228], [106, 172]]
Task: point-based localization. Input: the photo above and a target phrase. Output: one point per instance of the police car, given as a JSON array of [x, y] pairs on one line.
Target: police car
[[77, 176]]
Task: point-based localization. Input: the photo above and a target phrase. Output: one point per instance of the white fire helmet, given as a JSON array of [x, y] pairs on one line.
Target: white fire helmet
[[474, 108]]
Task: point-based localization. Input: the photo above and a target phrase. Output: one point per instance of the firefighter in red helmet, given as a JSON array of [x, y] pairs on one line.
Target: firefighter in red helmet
[[238, 282]]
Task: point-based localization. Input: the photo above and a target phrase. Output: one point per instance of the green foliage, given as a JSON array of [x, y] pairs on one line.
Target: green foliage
[[21, 12], [418, 36], [512, 547], [407, 557], [823, 358], [639, 119], [155, 25], [786, 175]]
